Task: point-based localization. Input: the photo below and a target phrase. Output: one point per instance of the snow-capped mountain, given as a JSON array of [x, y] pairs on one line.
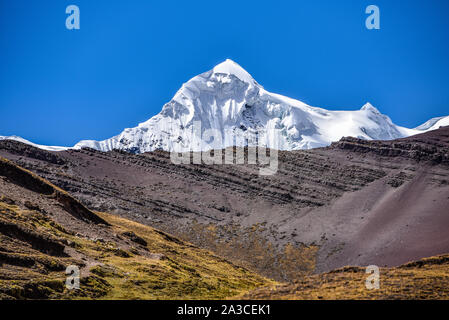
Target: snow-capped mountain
[[229, 101]]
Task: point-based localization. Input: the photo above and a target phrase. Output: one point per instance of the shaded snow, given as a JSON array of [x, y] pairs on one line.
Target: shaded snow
[[20, 139]]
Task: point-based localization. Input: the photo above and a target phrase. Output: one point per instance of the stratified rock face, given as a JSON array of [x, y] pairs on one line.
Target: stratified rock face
[[45, 234], [229, 101], [413, 148], [361, 202], [417, 280], [34, 183]]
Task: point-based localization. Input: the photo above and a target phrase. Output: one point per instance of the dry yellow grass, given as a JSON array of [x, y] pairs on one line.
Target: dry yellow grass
[[182, 271], [169, 268], [248, 247], [424, 279]]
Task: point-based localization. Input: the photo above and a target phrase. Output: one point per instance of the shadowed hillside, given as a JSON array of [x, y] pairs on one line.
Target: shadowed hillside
[[43, 230], [356, 202]]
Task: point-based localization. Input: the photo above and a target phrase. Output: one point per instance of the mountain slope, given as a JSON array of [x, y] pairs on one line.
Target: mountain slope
[[434, 124], [319, 199], [119, 259]]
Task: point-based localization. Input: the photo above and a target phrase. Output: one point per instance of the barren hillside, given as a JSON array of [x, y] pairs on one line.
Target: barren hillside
[[43, 230], [356, 202]]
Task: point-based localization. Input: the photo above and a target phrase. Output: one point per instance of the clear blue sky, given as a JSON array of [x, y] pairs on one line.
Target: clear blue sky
[[130, 57]]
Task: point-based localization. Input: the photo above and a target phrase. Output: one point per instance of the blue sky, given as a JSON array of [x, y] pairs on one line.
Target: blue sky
[[59, 86]]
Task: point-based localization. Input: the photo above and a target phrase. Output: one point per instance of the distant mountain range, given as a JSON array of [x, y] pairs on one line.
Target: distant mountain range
[[228, 100]]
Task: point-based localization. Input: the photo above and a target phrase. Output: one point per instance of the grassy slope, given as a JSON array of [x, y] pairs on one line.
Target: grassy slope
[[184, 271], [167, 268], [171, 270], [424, 279], [178, 270], [35, 251]]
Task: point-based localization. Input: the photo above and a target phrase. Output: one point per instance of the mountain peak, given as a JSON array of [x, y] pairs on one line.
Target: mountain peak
[[369, 107], [230, 67]]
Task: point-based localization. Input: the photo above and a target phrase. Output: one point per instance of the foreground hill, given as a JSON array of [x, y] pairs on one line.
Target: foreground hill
[[356, 202], [423, 279], [43, 230]]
